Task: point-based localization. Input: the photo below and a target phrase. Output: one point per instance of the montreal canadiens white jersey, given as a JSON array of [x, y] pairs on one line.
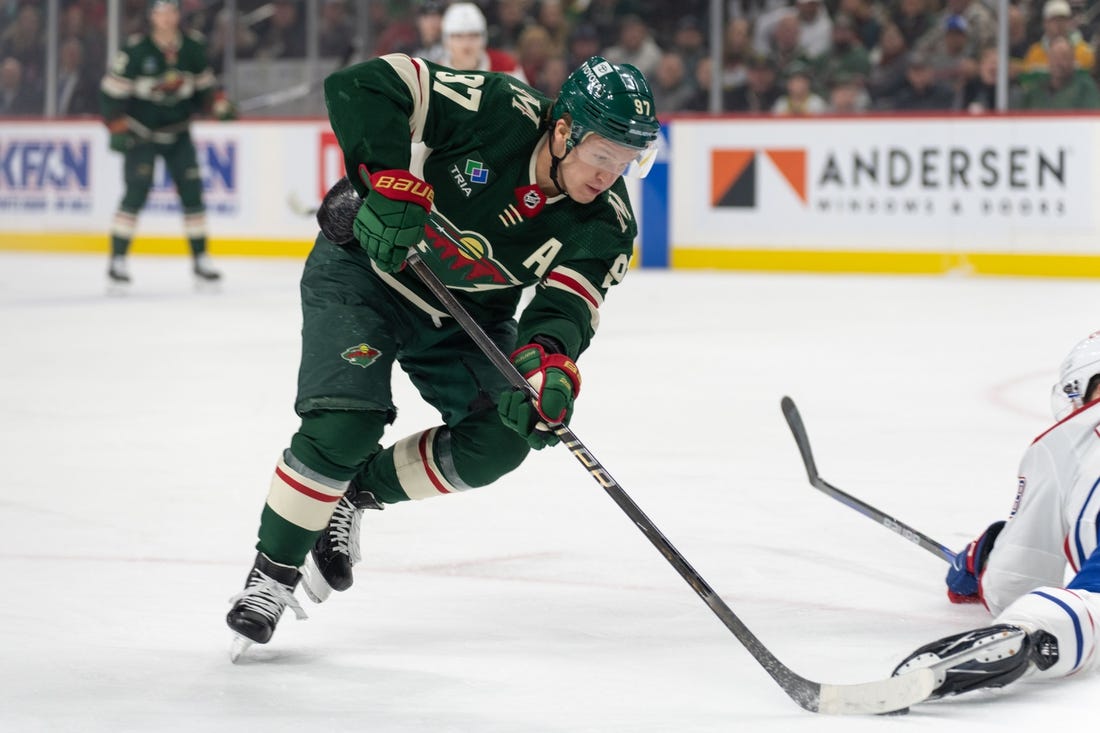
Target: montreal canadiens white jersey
[[1053, 523]]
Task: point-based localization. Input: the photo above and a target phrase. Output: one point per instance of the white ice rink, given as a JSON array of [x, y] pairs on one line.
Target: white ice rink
[[138, 435]]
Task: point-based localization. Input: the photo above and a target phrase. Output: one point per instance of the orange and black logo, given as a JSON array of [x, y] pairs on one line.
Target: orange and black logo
[[734, 174]]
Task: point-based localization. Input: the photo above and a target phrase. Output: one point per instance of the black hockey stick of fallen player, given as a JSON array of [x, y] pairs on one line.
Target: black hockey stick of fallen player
[[882, 696], [798, 429]]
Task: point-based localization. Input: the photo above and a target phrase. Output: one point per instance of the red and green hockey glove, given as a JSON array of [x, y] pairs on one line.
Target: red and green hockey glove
[[557, 382], [121, 137], [393, 215]]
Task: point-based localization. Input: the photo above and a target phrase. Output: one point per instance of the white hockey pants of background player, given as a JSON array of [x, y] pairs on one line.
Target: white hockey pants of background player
[[1070, 615]]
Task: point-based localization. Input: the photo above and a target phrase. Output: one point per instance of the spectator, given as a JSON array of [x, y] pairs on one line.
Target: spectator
[[736, 54], [1018, 41], [979, 95], [551, 16], [605, 17], [76, 23], [16, 98], [1058, 22], [283, 35], [77, 88], [25, 41], [980, 23], [815, 28], [912, 19], [534, 48], [511, 19], [584, 43], [953, 55], [868, 27], [785, 46], [921, 92], [672, 87], [1062, 86], [846, 56], [761, 90], [847, 95], [636, 46], [889, 65], [429, 28], [554, 73], [689, 43], [464, 43], [336, 35], [800, 98]]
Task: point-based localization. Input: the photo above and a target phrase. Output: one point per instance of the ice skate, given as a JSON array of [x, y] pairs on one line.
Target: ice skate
[[268, 590], [206, 277], [990, 657], [328, 565], [118, 275]]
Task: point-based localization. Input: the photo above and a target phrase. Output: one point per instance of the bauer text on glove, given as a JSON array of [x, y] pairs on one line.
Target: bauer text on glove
[[392, 217], [557, 382]]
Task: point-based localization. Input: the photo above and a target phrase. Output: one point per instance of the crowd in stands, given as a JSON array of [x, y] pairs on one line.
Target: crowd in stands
[[793, 57]]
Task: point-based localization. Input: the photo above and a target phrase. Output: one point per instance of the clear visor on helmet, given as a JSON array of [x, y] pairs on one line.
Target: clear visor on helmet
[[622, 160]]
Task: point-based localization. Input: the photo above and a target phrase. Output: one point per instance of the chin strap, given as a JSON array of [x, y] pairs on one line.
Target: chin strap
[[554, 162]]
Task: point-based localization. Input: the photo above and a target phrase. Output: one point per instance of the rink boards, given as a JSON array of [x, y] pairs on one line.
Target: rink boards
[[1005, 195]]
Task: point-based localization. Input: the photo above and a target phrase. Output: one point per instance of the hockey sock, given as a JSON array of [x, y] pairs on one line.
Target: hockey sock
[[299, 505]]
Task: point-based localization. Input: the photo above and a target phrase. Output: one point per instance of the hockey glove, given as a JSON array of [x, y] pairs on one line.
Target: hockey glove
[[221, 108], [121, 137], [392, 216], [966, 569], [557, 382]]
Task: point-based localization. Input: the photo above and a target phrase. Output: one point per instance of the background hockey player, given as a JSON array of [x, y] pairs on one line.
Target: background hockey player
[[533, 188], [1017, 567], [465, 39], [156, 84]]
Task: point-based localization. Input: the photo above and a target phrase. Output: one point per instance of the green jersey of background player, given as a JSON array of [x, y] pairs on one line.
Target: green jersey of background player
[[155, 85], [532, 189]]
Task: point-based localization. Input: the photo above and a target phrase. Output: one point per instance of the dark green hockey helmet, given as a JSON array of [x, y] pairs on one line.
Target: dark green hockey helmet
[[613, 101]]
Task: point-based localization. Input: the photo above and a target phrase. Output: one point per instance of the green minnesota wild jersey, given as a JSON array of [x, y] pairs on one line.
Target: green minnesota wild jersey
[[483, 131], [158, 87]]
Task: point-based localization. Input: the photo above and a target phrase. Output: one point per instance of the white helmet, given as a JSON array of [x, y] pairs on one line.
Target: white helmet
[[463, 18], [1082, 363]]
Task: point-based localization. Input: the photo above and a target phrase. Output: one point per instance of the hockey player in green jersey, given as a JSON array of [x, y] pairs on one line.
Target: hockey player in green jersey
[[532, 188], [156, 84]]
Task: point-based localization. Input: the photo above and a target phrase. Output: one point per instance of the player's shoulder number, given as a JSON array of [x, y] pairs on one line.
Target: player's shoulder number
[[462, 89]]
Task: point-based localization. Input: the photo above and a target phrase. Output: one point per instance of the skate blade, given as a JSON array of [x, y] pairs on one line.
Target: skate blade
[[239, 646], [314, 584], [118, 289], [208, 286]]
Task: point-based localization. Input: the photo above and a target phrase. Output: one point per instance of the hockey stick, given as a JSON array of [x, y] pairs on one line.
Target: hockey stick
[[798, 429], [882, 696]]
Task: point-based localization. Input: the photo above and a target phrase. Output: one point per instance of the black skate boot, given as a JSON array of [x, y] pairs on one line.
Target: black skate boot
[[989, 657], [328, 565], [268, 590]]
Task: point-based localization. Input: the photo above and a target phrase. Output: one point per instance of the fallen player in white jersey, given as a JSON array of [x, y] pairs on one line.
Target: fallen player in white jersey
[[1042, 628]]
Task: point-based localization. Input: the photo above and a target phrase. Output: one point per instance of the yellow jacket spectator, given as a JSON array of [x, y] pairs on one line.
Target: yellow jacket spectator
[[1058, 23], [1062, 87]]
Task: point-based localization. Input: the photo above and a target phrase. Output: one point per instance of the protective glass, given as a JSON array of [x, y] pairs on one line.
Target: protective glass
[[621, 160]]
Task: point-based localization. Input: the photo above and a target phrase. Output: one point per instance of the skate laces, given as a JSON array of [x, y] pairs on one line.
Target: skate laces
[[268, 597], [344, 529]]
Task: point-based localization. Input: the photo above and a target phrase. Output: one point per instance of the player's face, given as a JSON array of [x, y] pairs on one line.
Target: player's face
[[164, 17], [593, 166], [465, 50]]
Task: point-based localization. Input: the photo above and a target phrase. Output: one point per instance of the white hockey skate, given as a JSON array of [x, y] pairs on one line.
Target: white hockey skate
[[207, 279], [118, 275]]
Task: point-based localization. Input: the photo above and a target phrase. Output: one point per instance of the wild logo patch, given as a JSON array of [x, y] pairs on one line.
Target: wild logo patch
[[361, 355]]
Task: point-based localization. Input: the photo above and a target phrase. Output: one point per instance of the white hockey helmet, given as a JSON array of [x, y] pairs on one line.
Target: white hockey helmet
[[463, 18], [1080, 366]]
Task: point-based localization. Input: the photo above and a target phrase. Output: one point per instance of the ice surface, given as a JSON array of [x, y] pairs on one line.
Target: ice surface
[[138, 435]]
